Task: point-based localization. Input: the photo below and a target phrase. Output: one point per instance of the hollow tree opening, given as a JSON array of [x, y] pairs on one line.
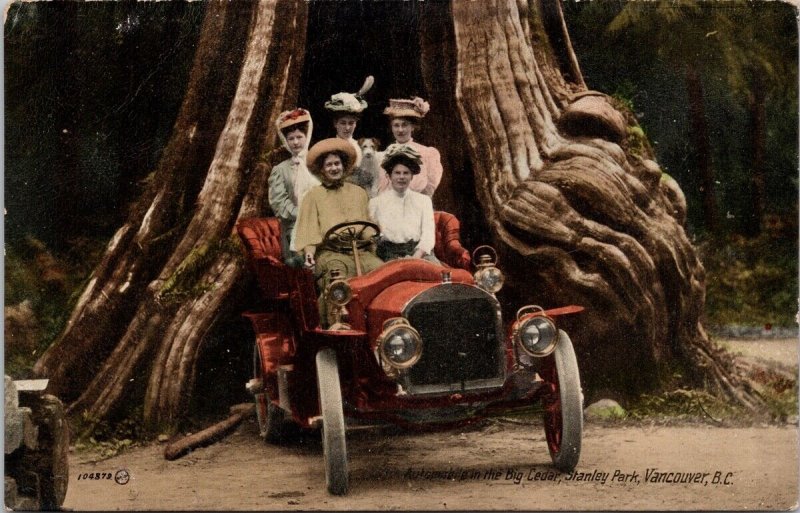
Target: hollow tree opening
[[345, 42], [393, 41]]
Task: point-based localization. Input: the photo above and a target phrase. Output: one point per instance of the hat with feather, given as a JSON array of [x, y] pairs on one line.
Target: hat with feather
[[350, 103]]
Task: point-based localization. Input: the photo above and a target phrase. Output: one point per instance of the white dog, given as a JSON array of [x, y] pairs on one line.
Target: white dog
[[368, 174]]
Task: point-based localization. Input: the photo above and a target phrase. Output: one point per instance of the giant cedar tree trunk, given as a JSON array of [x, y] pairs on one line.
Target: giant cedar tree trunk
[[169, 271], [579, 218], [575, 218]]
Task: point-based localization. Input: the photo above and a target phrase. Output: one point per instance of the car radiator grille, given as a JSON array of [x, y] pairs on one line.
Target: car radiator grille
[[462, 349]]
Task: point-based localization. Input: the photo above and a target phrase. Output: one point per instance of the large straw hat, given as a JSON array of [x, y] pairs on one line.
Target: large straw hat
[[404, 154], [293, 117], [415, 107], [328, 146]]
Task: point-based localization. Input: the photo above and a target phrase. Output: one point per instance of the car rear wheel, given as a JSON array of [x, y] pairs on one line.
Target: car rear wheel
[[273, 425], [563, 417], [333, 431]]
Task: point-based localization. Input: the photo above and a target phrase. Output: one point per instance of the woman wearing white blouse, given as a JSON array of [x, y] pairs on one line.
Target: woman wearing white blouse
[[404, 216]]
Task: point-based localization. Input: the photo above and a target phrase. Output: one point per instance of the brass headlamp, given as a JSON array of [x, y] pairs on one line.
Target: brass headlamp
[[399, 344], [338, 293], [488, 276]]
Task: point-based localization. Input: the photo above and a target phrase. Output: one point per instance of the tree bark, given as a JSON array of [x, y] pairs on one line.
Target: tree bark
[[175, 245], [699, 135], [579, 220]]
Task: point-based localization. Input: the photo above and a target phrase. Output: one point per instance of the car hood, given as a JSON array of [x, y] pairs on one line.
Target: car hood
[[383, 292], [393, 300]]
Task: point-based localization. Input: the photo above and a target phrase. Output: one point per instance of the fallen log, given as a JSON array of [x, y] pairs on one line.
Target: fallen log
[[209, 435]]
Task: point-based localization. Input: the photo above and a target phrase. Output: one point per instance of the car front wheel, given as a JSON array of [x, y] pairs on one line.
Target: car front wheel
[[563, 417], [333, 430]]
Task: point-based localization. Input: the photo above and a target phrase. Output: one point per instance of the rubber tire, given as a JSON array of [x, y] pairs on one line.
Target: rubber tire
[[273, 425], [564, 422], [334, 445]]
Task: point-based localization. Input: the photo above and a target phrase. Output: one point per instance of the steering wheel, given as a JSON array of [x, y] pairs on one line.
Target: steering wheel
[[343, 236]]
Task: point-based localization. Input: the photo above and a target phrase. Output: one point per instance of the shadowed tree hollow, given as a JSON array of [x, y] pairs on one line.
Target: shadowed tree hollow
[[545, 170]]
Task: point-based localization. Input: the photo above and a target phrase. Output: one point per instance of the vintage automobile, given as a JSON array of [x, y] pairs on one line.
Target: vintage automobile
[[412, 342]]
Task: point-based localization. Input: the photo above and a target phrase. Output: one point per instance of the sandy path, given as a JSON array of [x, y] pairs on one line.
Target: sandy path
[[780, 352], [491, 466], [241, 472]]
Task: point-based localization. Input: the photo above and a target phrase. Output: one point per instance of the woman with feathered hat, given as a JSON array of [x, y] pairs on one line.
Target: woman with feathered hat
[[291, 179], [345, 110]]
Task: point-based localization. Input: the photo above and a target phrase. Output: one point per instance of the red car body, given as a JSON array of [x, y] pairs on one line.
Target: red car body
[[470, 365]]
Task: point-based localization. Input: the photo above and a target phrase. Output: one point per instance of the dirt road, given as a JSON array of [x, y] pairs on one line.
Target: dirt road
[[497, 465]]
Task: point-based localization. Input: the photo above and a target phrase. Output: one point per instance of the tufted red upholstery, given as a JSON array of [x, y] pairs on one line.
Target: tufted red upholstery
[[368, 286], [448, 248], [261, 237]]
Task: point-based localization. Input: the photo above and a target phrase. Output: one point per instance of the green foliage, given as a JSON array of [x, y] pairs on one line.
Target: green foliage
[[51, 284], [751, 281], [624, 95], [683, 405], [778, 390], [779, 393], [706, 33], [623, 100], [639, 51], [107, 439], [637, 141], [105, 449]]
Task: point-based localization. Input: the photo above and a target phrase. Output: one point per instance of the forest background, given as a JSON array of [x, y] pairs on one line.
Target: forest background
[[92, 92]]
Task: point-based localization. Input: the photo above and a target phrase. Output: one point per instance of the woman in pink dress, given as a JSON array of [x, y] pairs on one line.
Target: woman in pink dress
[[404, 118]]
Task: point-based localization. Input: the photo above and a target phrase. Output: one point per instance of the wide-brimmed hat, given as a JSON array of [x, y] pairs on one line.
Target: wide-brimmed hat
[[415, 107], [293, 117], [328, 146], [350, 103], [403, 154], [345, 103]]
